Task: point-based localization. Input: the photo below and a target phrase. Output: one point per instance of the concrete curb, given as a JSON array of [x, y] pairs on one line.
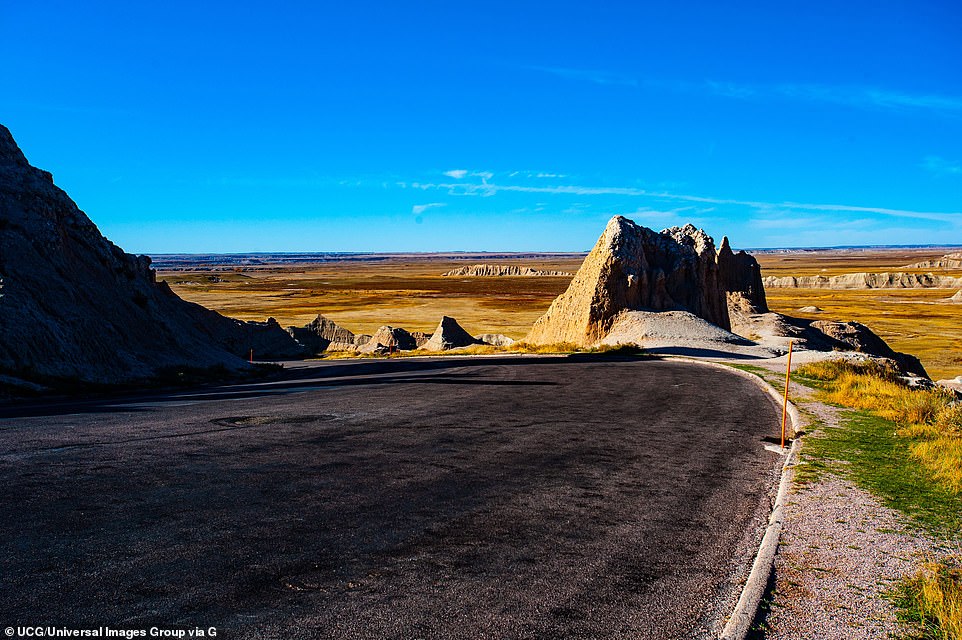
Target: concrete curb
[[741, 618]]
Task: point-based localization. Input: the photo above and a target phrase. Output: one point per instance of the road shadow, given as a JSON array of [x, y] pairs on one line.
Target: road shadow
[[701, 352], [303, 378]]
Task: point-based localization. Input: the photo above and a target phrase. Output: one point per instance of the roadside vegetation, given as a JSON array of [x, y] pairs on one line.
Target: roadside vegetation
[[932, 600], [559, 348], [929, 421], [905, 446]]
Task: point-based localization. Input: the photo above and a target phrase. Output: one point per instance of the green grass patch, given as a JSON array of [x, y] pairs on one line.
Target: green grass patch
[[867, 450], [761, 372]]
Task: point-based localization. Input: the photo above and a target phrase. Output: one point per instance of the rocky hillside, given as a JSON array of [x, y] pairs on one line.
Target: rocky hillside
[[494, 270], [895, 280], [635, 268], [75, 308], [948, 261]]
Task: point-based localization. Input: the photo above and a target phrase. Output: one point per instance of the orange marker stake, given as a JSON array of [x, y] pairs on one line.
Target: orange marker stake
[[788, 373], [252, 356]]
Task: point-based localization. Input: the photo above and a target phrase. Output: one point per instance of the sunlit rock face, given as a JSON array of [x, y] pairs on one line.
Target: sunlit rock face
[[633, 268]]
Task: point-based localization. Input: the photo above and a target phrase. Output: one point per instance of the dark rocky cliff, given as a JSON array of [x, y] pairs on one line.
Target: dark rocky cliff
[[75, 307]]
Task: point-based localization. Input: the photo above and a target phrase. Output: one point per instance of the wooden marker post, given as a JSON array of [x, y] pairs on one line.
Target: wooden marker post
[[788, 373]]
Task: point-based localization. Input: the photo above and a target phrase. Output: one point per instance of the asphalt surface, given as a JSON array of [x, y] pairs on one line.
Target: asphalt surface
[[447, 498]]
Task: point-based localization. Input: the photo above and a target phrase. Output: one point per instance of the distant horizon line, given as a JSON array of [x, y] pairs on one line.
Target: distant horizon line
[[482, 252]]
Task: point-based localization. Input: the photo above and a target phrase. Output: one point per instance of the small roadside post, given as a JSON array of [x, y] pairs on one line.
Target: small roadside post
[[788, 373]]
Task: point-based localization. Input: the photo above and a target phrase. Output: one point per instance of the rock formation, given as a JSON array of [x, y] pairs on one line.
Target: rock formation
[[948, 261], [420, 338], [495, 339], [320, 333], [449, 335], [775, 330], [957, 297], [742, 280], [896, 280], [634, 268], [489, 270], [387, 339], [75, 308]]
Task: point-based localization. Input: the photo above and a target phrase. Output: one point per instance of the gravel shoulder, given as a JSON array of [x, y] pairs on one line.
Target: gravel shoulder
[[841, 553]]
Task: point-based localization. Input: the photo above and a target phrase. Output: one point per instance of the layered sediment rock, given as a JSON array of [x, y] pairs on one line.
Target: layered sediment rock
[[75, 308], [896, 280], [449, 335], [320, 333], [387, 339], [948, 261], [496, 270], [635, 268]]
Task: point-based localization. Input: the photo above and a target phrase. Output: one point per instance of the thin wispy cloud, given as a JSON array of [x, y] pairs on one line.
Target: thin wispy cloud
[[489, 189], [536, 174], [853, 96], [850, 96], [941, 167], [596, 76], [461, 174], [418, 209]]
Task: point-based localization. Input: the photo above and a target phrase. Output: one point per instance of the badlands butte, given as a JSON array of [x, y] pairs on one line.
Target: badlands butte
[[76, 309]]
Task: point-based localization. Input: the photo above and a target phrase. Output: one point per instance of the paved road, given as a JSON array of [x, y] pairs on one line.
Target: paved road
[[504, 498]]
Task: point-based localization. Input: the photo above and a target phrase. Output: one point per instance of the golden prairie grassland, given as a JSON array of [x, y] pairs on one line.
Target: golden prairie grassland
[[929, 420], [362, 296], [409, 292], [917, 321], [935, 597]]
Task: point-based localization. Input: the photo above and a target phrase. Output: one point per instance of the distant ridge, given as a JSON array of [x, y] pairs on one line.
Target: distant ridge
[[500, 270], [948, 261], [268, 260], [862, 280]]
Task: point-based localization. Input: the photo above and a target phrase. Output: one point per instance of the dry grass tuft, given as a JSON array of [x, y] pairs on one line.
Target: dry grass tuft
[[931, 419], [557, 348], [935, 598]]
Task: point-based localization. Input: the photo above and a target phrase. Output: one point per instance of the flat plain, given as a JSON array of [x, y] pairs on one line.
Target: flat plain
[[409, 291]]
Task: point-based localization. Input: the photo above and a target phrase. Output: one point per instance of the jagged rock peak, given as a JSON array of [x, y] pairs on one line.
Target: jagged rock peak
[[10, 153], [388, 338], [320, 333], [691, 236], [633, 268], [449, 335]]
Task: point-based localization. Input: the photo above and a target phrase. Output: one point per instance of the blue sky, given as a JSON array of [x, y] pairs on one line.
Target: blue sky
[[386, 126]]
